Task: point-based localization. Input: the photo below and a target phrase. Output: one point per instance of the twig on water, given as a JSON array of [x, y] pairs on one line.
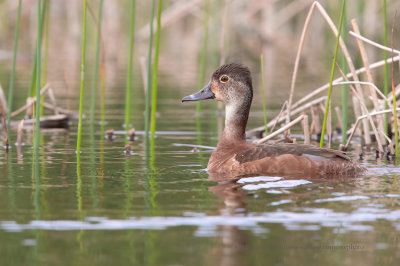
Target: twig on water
[[30, 102]]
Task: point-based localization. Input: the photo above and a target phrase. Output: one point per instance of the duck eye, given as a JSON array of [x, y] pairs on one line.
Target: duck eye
[[224, 78]]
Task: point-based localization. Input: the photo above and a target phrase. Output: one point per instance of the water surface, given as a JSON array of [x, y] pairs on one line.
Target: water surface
[[160, 208]]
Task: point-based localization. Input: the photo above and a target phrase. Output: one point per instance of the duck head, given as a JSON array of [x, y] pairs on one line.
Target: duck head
[[230, 84]]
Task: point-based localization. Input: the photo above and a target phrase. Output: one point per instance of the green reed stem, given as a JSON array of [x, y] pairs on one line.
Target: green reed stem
[[32, 86], [386, 73], [96, 65], [79, 184], [128, 96], [78, 145], [38, 59], [345, 91], [46, 17], [396, 129], [263, 93], [321, 144], [45, 53], [12, 77], [203, 51], [155, 72], [147, 104], [102, 98]]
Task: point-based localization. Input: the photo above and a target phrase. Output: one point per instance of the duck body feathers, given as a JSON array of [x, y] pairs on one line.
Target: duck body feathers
[[234, 156], [280, 159]]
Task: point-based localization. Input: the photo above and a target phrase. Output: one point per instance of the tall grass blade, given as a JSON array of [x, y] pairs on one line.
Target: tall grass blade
[[155, 72], [203, 50], [263, 93], [12, 77], [130, 68], [396, 129], [46, 15], [78, 144], [96, 65], [147, 103], [38, 59], [32, 86], [321, 144]]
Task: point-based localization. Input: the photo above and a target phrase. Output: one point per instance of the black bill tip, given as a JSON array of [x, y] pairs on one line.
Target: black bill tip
[[203, 94]]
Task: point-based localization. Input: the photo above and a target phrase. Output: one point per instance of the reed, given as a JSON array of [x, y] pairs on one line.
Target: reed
[[46, 15], [102, 95], [263, 94], [321, 144], [32, 86], [38, 65], [96, 65], [203, 50], [147, 103], [12, 76], [317, 6], [78, 144], [130, 68], [6, 131], [386, 68], [345, 88], [155, 72], [396, 130]]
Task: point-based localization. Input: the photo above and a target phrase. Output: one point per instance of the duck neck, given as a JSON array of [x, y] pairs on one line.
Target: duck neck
[[235, 122]]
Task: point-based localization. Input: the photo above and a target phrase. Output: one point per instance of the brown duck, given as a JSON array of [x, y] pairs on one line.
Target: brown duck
[[232, 85]]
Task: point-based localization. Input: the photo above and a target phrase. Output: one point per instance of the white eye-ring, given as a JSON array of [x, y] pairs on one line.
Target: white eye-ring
[[224, 78]]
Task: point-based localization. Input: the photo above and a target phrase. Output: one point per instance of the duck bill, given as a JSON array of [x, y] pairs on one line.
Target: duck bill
[[204, 94]]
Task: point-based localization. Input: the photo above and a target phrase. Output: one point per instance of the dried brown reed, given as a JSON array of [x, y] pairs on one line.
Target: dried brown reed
[[360, 104]]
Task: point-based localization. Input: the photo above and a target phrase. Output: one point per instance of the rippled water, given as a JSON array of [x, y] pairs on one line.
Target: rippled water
[[160, 207]]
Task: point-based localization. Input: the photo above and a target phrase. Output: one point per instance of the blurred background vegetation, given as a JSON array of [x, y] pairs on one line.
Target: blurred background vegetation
[[238, 30]]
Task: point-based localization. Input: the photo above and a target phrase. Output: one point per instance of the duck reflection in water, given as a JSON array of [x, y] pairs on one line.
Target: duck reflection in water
[[234, 241]]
